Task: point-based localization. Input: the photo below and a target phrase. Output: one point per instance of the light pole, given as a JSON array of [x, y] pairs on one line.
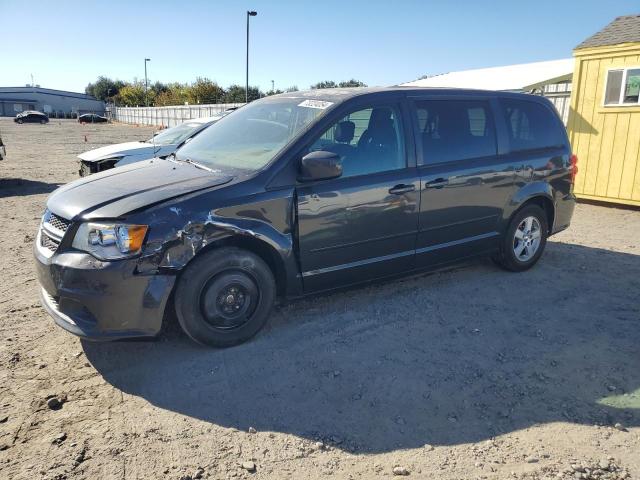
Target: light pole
[[273, 87], [250, 13], [146, 82]]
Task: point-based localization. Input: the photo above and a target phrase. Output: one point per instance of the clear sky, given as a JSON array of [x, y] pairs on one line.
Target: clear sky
[[66, 44]]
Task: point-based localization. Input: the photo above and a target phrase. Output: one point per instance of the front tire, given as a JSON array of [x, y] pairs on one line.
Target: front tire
[[224, 297], [525, 239]]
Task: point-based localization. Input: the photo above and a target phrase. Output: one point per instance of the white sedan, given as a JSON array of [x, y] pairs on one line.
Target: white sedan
[[161, 145]]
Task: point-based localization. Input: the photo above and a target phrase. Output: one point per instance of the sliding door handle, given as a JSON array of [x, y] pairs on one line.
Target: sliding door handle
[[402, 189], [437, 183]]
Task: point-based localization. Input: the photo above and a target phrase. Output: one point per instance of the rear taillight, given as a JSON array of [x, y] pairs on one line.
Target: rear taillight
[[573, 166]]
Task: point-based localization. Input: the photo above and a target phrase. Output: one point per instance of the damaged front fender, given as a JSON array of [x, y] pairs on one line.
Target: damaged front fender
[[264, 223]]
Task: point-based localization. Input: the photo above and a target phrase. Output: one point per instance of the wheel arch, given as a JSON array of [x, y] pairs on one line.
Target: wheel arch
[[547, 205], [538, 193], [254, 245]]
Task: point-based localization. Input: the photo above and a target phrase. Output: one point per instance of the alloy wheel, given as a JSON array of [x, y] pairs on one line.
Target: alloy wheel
[[526, 240]]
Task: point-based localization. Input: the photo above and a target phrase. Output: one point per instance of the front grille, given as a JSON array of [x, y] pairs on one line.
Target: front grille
[[52, 231], [48, 242], [56, 222]]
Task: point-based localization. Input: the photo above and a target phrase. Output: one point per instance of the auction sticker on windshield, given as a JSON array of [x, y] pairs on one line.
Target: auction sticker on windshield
[[321, 104]]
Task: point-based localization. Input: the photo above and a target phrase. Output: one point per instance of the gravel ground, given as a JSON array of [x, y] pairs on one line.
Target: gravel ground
[[464, 374]]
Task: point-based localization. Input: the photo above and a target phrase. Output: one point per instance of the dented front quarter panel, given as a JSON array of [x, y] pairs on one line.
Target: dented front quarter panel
[[182, 228]]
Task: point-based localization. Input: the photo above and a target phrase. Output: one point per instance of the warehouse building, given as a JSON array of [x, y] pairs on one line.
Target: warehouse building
[[55, 103]]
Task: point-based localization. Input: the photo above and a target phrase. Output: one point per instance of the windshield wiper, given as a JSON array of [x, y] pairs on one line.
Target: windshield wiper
[[192, 162], [172, 157]]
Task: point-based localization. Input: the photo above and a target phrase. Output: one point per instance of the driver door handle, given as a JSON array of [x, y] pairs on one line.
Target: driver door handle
[[402, 189]]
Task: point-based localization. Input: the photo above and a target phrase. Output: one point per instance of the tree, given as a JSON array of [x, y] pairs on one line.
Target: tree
[[174, 94], [159, 87], [235, 94], [132, 95], [104, 88], [352, 83], [344, 84], [292, 88], [325, 84], [204, 91]]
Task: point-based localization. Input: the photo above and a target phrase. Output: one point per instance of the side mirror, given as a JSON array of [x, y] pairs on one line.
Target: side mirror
[[320, 165]]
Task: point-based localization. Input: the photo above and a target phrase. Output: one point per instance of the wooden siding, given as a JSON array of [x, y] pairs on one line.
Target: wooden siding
[[605, 139]]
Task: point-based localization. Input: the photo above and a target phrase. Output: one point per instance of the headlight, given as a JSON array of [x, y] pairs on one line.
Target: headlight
[[110, 241]]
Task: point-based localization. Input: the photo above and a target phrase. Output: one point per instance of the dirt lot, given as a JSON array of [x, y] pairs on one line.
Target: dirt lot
[[465, 374]]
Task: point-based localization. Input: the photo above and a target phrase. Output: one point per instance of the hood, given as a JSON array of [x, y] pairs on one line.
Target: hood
[[118, 191], [119, 149]]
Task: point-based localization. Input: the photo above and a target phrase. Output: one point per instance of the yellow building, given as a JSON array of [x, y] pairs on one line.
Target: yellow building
[[604, 118]]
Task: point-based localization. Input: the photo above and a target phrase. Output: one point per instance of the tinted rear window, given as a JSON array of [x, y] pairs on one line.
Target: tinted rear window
[[455, 130], [531, 125]]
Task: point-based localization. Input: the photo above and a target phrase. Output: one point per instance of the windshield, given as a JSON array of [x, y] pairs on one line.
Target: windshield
[[174, 135], [253, 135]]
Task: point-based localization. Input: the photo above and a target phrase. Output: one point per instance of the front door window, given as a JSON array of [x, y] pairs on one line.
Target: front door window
[[368, 141]]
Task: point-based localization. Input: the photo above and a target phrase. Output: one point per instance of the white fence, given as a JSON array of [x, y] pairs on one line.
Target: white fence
[[166, 116]]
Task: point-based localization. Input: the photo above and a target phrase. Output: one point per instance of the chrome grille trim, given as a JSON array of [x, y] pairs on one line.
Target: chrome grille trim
[[59, 222], [52, 231], [49, 242], [55, 224]]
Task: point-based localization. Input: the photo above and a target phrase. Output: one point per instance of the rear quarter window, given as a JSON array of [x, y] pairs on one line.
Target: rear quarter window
[[531, 126]]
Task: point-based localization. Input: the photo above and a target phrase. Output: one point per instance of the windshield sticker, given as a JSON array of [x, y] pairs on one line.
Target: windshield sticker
[[320, 104]]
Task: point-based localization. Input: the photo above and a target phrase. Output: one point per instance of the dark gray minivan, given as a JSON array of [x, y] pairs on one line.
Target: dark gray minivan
[[300, 193]]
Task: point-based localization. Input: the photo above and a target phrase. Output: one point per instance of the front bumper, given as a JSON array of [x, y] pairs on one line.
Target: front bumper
[[101, 300]]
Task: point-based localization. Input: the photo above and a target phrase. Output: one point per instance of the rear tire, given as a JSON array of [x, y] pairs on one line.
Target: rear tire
[[525, 240], [42, 122], [224, 297], [19, 122]]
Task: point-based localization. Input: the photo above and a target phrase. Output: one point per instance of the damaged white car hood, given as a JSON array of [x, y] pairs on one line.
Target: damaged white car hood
[[120, 150]]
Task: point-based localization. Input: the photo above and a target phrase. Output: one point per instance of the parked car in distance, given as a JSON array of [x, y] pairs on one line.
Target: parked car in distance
[[300, 193], [92, 118], [31, 116], [162, 144]]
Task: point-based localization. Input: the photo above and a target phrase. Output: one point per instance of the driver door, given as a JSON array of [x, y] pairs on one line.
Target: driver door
[[362, 225]]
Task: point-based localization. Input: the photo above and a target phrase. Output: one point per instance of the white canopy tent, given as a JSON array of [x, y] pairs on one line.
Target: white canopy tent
[[521, 77]]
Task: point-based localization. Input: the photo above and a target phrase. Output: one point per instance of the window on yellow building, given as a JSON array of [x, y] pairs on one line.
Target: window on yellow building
[[632, 86], [623, 87], [614, 87]]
